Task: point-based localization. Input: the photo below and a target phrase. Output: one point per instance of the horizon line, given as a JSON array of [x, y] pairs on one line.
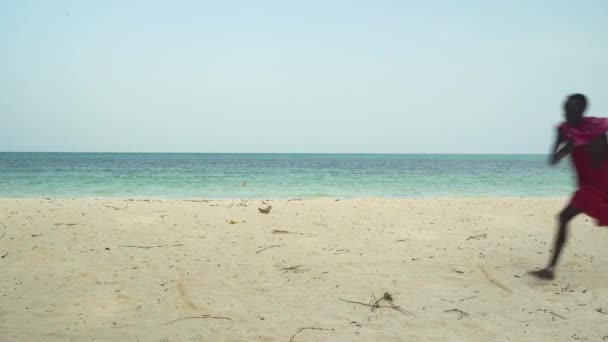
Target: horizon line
[[304, 153]]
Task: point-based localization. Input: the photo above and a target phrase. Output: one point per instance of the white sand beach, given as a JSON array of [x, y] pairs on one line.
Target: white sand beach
[[178, 270]]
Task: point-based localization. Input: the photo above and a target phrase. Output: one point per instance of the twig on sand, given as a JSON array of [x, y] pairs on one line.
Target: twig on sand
[[462, 300], [295, 269], [265, 248], [197, 317], [278, 231], [66, 224], [402, 240], [556, 315], [148, 247], [353, 302], [305, 328], [601, 311], [462, 313], [387, 297], [477, 237]]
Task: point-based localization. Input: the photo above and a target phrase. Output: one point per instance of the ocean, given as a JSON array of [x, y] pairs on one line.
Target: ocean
[[185, 175]]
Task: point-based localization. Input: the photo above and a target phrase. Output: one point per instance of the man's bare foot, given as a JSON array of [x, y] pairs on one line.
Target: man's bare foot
[[545, 273]]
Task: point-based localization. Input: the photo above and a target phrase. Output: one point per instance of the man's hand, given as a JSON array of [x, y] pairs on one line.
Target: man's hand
[[561, 153]]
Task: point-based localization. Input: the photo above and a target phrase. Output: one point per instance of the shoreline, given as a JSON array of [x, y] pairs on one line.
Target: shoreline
[[287, 199]]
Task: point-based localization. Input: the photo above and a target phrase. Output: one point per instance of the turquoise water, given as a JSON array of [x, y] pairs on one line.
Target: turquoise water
[[177, 175]]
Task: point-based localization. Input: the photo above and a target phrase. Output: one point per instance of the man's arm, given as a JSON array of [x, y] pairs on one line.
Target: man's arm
[[558, 153]]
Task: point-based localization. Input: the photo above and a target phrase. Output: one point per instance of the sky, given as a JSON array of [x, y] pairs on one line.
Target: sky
[[296, 76]]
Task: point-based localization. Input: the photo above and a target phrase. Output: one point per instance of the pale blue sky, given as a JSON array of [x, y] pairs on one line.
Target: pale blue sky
[[296, 76]]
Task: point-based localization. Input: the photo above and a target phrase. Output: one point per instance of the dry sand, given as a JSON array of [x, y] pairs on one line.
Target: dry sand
[[125, 270]]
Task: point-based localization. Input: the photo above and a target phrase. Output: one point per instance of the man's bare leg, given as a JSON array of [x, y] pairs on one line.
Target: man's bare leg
[[565, 217]]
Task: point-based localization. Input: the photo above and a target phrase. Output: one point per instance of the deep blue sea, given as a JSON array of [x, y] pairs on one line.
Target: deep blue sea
[[183, 175]]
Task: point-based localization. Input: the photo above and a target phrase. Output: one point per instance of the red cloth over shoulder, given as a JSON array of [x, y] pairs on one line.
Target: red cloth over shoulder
[[589, 128]]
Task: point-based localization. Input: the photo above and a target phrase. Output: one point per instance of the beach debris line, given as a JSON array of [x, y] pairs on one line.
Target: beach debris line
[[307, 328], [197, 317], [265, 248], [266, 210], [376, 304]]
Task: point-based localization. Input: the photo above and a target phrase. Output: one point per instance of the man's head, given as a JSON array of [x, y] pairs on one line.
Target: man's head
[[574, 107]]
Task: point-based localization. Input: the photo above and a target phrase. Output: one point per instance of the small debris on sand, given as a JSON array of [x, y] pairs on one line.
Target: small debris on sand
[[266, 210]]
